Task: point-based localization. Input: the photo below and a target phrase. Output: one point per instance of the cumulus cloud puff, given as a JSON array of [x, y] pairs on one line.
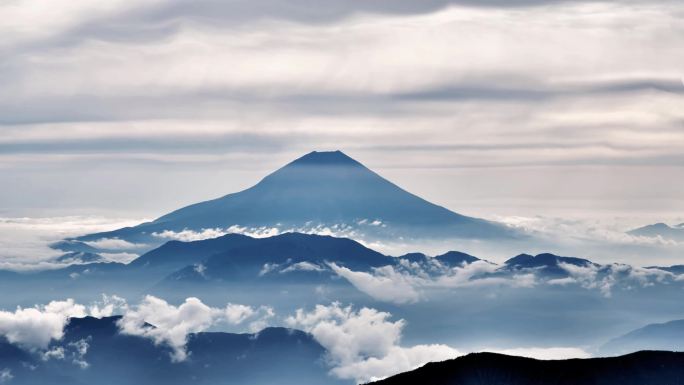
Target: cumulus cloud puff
[[170, 325], [35, 327], [364, 344]]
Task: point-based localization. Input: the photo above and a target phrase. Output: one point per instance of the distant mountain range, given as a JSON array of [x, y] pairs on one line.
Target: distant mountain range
[[292, 258], [642, 368], [546, 263], [320, 189], [94, 352], [663, 336], [288, 257], [665, 231]]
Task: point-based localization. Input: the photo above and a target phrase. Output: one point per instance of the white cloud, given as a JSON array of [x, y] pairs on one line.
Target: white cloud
[[606, 277], [119, 257], [35, 327], [302, 266], [188, 235], [75, 350], [108, 306], [113, 244], [172, 324], [24, 241], [385, 283], [58, 17], [364, 345], [263, 319], [80, 349], [404, 283], [236, 313], [56, 353], [397, 360]]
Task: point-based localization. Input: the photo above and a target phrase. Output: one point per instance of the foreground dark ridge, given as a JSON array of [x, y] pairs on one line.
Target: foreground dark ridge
[[641, 368]]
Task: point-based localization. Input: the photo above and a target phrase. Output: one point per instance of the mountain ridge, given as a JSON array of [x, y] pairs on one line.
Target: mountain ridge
[[640, 368]]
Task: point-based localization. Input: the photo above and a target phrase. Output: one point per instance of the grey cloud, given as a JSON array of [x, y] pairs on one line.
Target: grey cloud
[[159, 21], [541, 92]]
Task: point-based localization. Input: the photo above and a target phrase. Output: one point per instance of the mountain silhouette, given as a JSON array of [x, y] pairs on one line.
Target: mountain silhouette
[[642, 368], [327, 189]]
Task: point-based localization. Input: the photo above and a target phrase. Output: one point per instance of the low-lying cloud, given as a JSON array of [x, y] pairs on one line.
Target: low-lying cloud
[[25, 241], [408, 282], [364, 345], [404, 283]]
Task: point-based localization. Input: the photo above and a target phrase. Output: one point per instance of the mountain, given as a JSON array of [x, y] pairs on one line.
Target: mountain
[[289, 256], [663, 336], [642, 368], [672, 233], [676, 269], [319, 190], [456, 258], [546, 263], [176, 254], [450, 258], [93, 352]]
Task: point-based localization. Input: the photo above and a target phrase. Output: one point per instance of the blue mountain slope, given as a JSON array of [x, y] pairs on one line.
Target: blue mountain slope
[[665, 231], [176, 254], [320, 188], [289, 256], [664, 336], [456, 258], [450, 258], [545, 263]]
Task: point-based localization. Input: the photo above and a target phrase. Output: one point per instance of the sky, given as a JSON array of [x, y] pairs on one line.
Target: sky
[[499, 109]]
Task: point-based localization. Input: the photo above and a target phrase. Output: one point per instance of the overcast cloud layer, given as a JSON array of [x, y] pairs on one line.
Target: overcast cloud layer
[[494, 108]]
